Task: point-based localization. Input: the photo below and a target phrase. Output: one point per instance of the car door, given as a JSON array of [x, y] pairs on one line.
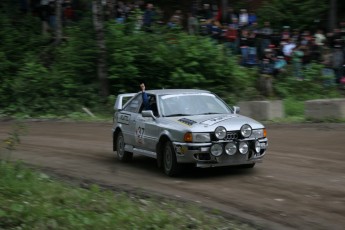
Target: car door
[[129, 116], [147, 129]]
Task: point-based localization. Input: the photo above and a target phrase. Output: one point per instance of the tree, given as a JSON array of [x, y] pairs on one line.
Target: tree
[[98, 21], [294, 13], [332, 15], [58, 31]]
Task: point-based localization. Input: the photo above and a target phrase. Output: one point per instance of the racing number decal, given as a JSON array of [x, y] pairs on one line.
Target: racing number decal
[[139, 135], [124, 118]]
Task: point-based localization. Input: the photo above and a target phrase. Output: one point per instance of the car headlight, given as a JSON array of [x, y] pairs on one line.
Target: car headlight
[[257, 147], [220, 132], [197, 137], [201, 137], [258, 133], [216, 150], [243, 147], [246, 130], [230, 148]]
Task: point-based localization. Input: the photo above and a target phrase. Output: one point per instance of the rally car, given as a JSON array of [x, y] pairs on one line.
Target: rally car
[[185, 126]]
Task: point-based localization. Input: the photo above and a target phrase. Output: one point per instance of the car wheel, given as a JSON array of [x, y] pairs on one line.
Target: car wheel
[[170, 165], [122, 155], [248, 166]]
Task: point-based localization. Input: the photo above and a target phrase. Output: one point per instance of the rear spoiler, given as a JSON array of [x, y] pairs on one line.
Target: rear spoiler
[[122, 99]]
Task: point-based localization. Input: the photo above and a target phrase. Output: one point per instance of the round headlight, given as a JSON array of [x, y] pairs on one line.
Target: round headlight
[[243, 147], [220, 132], [246, 130], [230, 148], [216, 150], [257, 147]]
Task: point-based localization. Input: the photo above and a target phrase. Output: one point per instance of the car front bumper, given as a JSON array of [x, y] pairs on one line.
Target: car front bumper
[[200, 154]]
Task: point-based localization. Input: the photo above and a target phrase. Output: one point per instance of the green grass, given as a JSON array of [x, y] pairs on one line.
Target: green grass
[[32, 200]]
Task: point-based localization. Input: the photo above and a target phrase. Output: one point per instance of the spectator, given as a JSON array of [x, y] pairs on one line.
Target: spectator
[[252, 52], [295, 36], [315, 51], [279, 66], [276, 38], [231, 17], [266, 70], [243, 18], [176, 20], [193, 24], [252, 18], [266, 33], [245, 43], [52, 15], [286, 35], [287, 49], [327, 70], [334, 37], [320, 38], [296, 59], [148, 17], [337, 62], [342, 31], [68, 14], [306, 38], [44, 15], [206, 12], [231, 36]]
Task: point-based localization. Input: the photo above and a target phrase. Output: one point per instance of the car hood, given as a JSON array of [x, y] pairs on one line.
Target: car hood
[[208, 123]]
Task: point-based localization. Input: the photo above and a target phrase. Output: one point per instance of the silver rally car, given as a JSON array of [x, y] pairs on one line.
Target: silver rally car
[[185, 126]]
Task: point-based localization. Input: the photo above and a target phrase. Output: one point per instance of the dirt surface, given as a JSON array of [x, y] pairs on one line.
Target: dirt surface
[[300, 184]]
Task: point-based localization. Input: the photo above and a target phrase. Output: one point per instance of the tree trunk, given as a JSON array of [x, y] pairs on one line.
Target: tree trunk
[[97, 12], [224, 9], [58, 29], [332, 15]]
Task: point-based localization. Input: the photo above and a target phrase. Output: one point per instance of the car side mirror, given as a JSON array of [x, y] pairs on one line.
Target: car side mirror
[[148, 113], [236, 109]]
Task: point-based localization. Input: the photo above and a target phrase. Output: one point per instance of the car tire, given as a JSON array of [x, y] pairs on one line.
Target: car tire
[[248, 166], [170, 165], [121, 154]]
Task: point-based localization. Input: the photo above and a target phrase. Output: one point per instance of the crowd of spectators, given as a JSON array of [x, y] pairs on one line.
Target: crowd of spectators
[[272, 50]]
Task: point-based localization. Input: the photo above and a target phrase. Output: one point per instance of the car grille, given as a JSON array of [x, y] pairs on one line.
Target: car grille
[[232, 135]]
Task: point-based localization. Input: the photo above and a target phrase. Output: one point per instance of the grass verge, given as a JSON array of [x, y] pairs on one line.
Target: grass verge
[[33, 200]]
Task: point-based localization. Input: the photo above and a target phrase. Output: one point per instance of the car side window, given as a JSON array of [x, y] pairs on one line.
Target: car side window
[[152, 105], [134, 105]]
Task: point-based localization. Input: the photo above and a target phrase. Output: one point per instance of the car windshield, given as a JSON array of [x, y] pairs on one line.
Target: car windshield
[[192, 104]]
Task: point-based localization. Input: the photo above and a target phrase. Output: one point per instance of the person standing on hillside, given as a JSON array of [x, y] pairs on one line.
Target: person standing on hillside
[[148, 17]]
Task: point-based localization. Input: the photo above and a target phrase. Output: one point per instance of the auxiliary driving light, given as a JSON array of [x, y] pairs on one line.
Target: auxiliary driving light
[[257, 147], [230, 148], [220, 132], [243, 148], [216, 150]]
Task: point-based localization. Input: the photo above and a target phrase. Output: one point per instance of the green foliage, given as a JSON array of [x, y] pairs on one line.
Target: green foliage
[[174, 60], [293, 13], [40, 78], [30, 200], [294, 107], [314, 85]]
